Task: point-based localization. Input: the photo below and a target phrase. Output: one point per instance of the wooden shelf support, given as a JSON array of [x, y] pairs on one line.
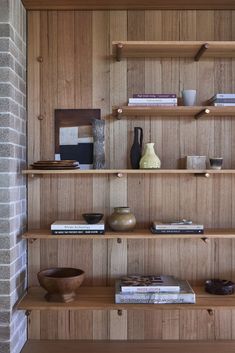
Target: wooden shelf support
[[119, 312], [201, 51], [119, 48], [205, 175], [32, 240], [202, 113], [117, 113], [205, 240], [119, 240], [210, 312], [119, 175]]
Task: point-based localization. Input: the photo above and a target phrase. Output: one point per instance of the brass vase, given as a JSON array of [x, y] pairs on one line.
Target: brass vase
[[149, 159], [122, 219]]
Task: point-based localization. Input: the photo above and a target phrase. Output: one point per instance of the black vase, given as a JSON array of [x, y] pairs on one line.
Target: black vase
[[136, 148]]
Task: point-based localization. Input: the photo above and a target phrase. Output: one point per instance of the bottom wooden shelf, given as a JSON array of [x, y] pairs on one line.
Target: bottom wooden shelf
[[65, 346]]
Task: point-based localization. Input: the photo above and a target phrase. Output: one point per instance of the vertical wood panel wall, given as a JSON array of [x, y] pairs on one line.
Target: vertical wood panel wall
[[78, 72]]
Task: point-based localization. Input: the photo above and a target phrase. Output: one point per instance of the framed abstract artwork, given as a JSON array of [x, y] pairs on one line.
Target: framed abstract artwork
[[74, 135]]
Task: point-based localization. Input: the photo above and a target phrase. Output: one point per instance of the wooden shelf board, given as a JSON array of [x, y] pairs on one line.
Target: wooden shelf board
[[165, 49], [137, 234], [189, 111], [102, 298], [128, 5], [139, 346], [126, 171]]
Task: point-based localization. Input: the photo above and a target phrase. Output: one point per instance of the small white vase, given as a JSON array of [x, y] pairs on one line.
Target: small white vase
[[149, 159]]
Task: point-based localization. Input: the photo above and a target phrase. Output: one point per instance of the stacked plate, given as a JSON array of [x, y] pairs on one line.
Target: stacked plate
[[66, 164]]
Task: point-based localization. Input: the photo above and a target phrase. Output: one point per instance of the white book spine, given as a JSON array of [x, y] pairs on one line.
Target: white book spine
[[150, 289], [224, 104], [152, 100], [78, 227], [153, 104], [223, 95], [155, 298]]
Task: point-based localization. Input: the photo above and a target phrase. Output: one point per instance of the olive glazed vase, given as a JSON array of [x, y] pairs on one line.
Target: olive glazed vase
[[122, 219], [149, 159]]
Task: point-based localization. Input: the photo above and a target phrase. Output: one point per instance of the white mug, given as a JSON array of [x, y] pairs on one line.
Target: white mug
[[189, 96]]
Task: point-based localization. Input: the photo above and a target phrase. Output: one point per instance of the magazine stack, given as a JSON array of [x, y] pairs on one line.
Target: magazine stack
[[153, 289]]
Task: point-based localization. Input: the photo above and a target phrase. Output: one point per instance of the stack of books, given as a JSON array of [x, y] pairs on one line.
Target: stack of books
[[153, 290], [183, 227], [161, 100], [223, 100], [77, 227]]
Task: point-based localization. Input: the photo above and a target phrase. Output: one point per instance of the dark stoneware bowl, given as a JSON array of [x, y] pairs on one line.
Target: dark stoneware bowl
[[61, 283], [92, 218]]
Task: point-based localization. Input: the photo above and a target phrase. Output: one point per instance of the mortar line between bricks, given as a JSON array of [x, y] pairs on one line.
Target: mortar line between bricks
[[10, 83], [12, 101]]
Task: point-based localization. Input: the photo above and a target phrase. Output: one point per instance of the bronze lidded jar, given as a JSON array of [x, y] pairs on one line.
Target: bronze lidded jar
[[122, 219]]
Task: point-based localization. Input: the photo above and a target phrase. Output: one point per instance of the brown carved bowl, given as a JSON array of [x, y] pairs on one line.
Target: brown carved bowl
[[61, 283]]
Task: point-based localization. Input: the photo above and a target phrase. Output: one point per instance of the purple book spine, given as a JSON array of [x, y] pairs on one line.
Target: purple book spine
[[162, 95]]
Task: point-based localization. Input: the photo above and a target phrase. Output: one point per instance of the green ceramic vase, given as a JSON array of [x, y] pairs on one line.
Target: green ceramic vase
[[122, 219], [149, 159]]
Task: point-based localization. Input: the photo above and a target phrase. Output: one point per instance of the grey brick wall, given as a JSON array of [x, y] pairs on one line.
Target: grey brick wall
[[13, 272]]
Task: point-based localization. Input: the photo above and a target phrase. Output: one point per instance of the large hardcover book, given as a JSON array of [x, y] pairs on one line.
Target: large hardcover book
[[74, 232], [76, 225], [224, 104], [150, 283], [175, 226], [177, 231], [152, 100], [152, 104], [185, 296]]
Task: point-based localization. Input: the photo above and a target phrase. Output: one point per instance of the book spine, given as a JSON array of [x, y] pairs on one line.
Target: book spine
[[162, 95], [223, 95], [64, 232], [156, 289], [78, 227], [224, 100], [177, 231], [153, 104], [186, 298], [152, 100], [224, 104], [178, 227]]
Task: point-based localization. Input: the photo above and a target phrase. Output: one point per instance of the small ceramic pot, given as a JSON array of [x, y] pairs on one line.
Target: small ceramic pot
[[150, 160], [189, 97], [216, 163], [122, 219]]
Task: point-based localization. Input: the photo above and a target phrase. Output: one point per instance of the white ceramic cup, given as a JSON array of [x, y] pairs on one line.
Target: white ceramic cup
[[189, 96]]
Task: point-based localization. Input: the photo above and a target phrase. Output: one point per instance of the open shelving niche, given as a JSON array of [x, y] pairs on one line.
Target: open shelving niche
[[102, 298]]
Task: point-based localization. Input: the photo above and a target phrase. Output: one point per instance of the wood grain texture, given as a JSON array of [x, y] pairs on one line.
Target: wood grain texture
[[78, 71], [133, 347], [124, 5]]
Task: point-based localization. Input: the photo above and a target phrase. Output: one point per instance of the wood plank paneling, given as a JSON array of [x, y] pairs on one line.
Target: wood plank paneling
[[78, 71]]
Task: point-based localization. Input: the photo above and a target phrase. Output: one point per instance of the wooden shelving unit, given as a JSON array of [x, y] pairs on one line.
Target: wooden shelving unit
[[172, 346], [102, 298], [173, 49], [187, 112], [136, 234], [120, 172]]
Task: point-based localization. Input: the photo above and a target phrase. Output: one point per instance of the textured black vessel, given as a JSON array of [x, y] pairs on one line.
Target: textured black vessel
[[219, 286], [136, 149]]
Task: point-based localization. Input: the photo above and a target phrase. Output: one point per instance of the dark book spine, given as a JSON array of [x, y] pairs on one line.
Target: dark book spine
[[64, 232], [145, 95], [177, 231]]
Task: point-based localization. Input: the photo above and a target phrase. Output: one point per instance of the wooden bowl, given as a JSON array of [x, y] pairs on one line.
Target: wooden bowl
[[61, 283]]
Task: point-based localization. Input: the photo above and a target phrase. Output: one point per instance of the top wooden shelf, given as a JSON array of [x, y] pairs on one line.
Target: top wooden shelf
[[174, 49], [128, 5]]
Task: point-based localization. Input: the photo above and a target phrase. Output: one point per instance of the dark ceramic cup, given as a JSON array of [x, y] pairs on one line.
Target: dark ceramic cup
[[216, 163]]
